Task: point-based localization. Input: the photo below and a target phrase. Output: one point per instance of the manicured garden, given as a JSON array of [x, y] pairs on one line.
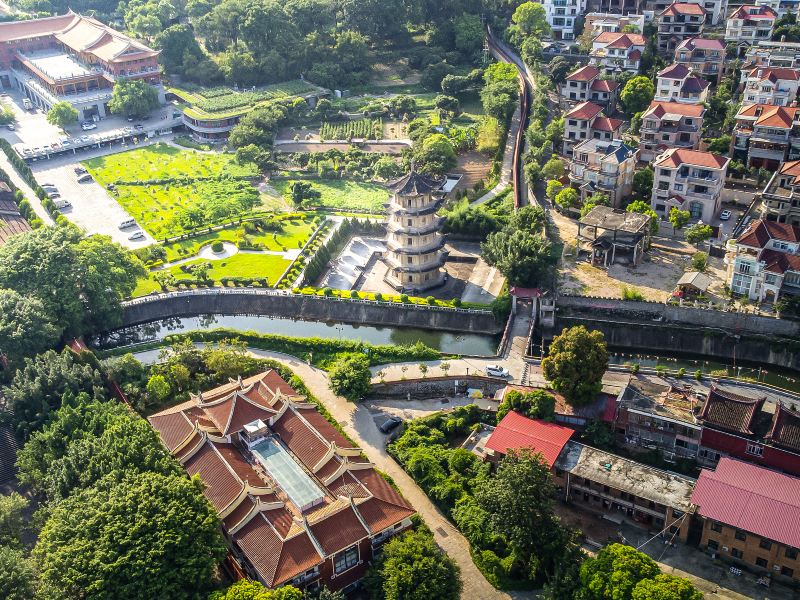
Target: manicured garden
[[344, 130], [340, 194]]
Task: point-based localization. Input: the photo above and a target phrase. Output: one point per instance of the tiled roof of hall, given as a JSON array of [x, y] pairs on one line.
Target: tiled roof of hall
[[415, 184], [730, 411]]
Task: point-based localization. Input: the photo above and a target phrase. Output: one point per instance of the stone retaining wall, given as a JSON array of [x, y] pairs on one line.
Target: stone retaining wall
[[437, 387]]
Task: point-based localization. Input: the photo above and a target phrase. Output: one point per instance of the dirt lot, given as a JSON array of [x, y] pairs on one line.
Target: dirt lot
[[474, 166], [655, 278]]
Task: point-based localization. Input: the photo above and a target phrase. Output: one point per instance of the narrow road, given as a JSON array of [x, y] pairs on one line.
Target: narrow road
[[358, 423]]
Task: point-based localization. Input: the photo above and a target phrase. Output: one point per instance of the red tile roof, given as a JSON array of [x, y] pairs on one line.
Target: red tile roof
[[701, 44], [635, 55], [584, 110], [675, 157], [586, 73], [221, 485], [743, 12], [339, 531], [751, 498], [674, 71], [785, 430], [779, 262], [768, 115], [774, 74], [759, 233], [791, 167], [659, 109], [516, 431], [730, 411], [606, 124], [615, 39], [684, 9], [604, 85]]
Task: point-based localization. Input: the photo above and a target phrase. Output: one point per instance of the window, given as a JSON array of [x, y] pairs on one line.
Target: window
[[791, 553], [713, 545], [346, 559], [765, 544], [716, 527], [754, 449], [762, 562], [740, 535], [787, 572], [736, 553]]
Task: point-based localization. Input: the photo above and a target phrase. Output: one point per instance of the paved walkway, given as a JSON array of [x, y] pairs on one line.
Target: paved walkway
[[36, 204], [359, 424], [508, 159]]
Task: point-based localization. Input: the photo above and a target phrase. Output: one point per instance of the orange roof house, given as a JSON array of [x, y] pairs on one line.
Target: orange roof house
[[299, 504]]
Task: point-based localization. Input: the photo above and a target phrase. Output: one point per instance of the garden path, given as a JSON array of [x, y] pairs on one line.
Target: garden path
[[228, 251]]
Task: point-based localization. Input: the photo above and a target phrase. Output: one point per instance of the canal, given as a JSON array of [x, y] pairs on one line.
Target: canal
[[449, 342]]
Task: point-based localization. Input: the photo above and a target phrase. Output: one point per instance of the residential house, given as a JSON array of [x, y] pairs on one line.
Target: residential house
[[605, 167], [678, 22], [609, 236], [748, 25], [764, 264], [750, 518], [298, 503], [596, 22], [621, 489], [586, 85], [703, 56], [781, 7], [689, 180], [585, 122], [780, 200], [517, 432], [715, 9], [766, 135], [677, 83], [561, 16], [669, 125], [617, 7], [617, 52], [771, 54], [771, 85]]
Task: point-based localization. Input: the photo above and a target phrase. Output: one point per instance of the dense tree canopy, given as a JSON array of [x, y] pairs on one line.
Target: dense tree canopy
[[643, 208], [133, 98], [575, 364], [637, 94], [16, 575], [350, 376], [412, 567], [535, 405], [253, 590], [25, 326], [12, 519], [62, 114], [146, 536]]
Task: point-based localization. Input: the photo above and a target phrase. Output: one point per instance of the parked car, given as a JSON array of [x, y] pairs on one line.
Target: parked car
[[136, 235], [85, 138], [85, 178], [139, 127], [61, 203], [390, 424], [725, 215], [10, 127], [87, 125], [53, 195], [496, 371], [48, 185], [79, 170]]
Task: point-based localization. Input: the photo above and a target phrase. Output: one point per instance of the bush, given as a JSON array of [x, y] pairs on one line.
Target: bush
[[431, 300], [350, 377], [634, 368], [354, 294], [681, 372], [327, 292], [217, 247], [698, 375], [404, 298], [631, 294], [456, 302]]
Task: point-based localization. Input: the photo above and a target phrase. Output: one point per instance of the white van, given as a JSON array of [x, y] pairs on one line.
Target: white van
[[27, 104], [61, 203], [127, 223]]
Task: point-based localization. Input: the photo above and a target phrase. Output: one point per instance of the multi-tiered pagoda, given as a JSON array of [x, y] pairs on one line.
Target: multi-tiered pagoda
[[415, 247]]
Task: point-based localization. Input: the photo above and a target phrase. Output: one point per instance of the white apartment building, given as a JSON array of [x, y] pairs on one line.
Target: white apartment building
[[677, 83], [561, 16], [604, 167], [715, 9], [771, 54], [689, 180], [766, 135], [765, 262], [669, 125], [748, 25], [615, 52], [781, 196], [771, 85]]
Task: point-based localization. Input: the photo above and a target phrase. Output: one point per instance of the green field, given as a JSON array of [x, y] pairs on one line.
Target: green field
[[225, 99], [362, 128], [158, 184], [341, 194]]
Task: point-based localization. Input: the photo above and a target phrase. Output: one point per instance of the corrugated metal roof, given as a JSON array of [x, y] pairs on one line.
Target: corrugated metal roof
[[751, 498], [515, 432]]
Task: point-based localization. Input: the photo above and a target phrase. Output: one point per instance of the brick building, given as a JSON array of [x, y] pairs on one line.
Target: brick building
[[299, 505]]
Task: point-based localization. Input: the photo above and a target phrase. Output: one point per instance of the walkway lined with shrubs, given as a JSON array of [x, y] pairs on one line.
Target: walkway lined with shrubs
[[30, 196]]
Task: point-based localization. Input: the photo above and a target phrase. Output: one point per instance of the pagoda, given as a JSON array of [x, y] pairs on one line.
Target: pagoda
[[415, 247]]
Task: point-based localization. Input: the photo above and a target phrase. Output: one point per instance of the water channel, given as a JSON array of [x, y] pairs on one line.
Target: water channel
[[453, 343]]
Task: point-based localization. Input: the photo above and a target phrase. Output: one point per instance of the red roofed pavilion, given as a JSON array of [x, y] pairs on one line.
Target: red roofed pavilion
[[516, 432]]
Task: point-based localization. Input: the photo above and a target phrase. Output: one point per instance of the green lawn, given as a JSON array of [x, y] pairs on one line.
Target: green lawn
[[342, 194], [161, 161]]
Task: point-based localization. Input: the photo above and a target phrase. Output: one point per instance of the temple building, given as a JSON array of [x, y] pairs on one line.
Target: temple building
[[415, 251]]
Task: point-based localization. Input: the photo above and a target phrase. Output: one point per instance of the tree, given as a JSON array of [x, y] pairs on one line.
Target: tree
[[666, 587], [386, 168], [447, 104], [133, 98], [596, 199], [12, 518], [145, 536], [643, 208], [524, 258], [575, 364], [530, 19], [350, 376], [435, 155], [679, 218], [254, 590], [519, 503], [720, 145], [412, 567], [535, 405], [553, 187], [469, 34], [62, 114], [302, 191], [643, 182], [615, 572], [567, 198], [17, 579], [158, 389], [559, 68], [553, 168], [698, 233], [37, 388], [25, 326], [637, 94]]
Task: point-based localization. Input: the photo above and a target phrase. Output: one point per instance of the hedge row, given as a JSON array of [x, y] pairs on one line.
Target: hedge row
[[25, 208], [27, 175]]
